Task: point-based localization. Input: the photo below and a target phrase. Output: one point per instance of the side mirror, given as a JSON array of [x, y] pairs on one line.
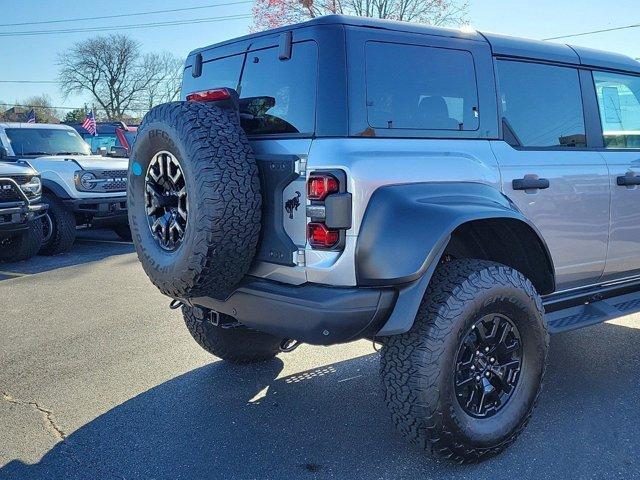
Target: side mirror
[[3, 153], [102, 151]]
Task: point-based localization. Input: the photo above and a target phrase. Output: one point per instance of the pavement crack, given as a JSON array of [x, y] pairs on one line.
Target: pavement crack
[[46, 414]]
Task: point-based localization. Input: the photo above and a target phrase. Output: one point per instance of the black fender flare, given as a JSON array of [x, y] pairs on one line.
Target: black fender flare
[[54, 188], [406, 229]]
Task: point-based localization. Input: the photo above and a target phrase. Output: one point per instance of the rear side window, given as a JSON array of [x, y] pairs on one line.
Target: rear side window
[[426, 88], [279, 96], [542, 105], [619, 101]]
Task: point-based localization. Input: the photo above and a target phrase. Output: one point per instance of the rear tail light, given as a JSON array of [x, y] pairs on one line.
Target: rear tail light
[[214, 95], [320, 236], [321, 185], [326, 192]]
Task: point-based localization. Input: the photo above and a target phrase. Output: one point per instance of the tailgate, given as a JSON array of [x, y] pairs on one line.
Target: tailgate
[[283, 233]]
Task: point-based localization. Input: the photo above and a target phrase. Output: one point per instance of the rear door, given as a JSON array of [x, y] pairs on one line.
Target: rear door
[[277, 90], [277, 105], [547, 171], [618, 98]]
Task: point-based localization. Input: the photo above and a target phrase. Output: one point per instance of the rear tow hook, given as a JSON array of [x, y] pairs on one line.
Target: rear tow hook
[[289, 345]]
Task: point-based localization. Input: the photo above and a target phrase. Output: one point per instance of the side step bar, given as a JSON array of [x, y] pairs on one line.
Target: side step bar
[[592, 312]]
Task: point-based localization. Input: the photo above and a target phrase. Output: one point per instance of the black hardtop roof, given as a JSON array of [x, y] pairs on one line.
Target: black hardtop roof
[[503, 45]]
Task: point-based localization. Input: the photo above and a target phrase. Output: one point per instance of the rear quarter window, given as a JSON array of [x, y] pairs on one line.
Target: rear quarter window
[[424, 88]]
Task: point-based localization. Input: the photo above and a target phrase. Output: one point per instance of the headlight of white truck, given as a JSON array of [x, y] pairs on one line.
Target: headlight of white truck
[[33, 187], [85, 181]]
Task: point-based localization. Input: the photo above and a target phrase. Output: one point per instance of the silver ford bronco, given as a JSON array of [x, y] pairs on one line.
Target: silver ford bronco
[[455, 196]]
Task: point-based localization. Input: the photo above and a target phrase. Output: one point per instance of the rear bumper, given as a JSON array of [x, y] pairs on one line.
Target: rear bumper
[[309, 313], [104, 210], [18, 217]]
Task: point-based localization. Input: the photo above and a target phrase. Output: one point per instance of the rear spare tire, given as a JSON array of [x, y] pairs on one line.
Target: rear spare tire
[[194, 199]]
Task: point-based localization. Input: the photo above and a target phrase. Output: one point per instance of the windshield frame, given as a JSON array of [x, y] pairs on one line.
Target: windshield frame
[[81, 148]]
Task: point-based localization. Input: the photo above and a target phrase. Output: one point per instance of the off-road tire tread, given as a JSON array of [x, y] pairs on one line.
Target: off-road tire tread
[[403, 356], [64, 227], [238, 345], [24, 245], [228, 193]]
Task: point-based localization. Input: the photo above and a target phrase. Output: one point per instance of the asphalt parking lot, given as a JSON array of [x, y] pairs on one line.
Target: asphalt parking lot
[[100, 380]]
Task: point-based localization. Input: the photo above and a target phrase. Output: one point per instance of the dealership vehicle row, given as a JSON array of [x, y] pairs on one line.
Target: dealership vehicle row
[[52, 183]]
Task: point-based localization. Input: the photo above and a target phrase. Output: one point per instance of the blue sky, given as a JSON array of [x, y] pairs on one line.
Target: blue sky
[[34, 57]]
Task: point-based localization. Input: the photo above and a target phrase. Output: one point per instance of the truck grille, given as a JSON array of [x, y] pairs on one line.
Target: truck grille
[[116, 180], [9, 192]]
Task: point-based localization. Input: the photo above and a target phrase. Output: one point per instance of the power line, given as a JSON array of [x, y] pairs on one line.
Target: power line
[[29, 81], [125, 27], [636, 25], [153, 12]]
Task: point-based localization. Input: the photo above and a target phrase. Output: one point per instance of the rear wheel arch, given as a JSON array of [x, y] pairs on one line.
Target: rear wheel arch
[[407, 228], [508, 241]]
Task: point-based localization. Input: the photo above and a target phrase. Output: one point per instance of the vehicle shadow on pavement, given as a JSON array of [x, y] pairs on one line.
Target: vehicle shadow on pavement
[[226, 422], [90, 246]]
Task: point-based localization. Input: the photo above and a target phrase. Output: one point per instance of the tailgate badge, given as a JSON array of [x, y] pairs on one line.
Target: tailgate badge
[[292, 204]]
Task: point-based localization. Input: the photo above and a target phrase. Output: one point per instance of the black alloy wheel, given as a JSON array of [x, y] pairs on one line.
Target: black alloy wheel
[[166, 200], [488, 365]]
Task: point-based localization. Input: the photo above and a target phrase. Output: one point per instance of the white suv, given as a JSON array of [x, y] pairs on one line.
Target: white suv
[[79, 188]]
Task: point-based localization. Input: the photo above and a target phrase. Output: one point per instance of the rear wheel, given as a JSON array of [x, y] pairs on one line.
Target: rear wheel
[[23, 245], [465, 379], [237, 344], [59, 226]]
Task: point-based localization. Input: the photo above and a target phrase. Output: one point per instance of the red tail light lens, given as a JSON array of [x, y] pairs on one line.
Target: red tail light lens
[[320, 236], [319, 186], [209, 95]]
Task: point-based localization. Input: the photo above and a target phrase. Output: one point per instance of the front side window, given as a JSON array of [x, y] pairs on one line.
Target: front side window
[[46, 141], [619, 102], [425, 88], [279, 96], [541, 105]]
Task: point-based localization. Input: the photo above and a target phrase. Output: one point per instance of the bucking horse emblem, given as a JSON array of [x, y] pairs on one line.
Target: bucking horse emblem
[[292, 204]]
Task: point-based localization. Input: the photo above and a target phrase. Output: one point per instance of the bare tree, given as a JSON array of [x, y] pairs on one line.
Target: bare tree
[[40, 104], [117, 75], [165, 71], [276, 13]]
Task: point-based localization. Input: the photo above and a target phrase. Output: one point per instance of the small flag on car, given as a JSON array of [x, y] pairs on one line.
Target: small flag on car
[[31, 117], [89, 123]]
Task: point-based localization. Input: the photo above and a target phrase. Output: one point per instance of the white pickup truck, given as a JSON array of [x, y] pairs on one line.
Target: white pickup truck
[[78, 187]]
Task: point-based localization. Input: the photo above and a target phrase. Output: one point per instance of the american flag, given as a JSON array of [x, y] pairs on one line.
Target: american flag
[[89, 123], [31, 117]]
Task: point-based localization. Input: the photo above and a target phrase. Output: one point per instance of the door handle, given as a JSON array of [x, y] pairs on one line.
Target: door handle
[[529, 183], [628, 180]]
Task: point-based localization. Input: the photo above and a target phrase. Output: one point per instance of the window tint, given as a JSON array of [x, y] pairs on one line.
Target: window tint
[[542, 105], [414, 87], [619, 101], [279, 96]]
